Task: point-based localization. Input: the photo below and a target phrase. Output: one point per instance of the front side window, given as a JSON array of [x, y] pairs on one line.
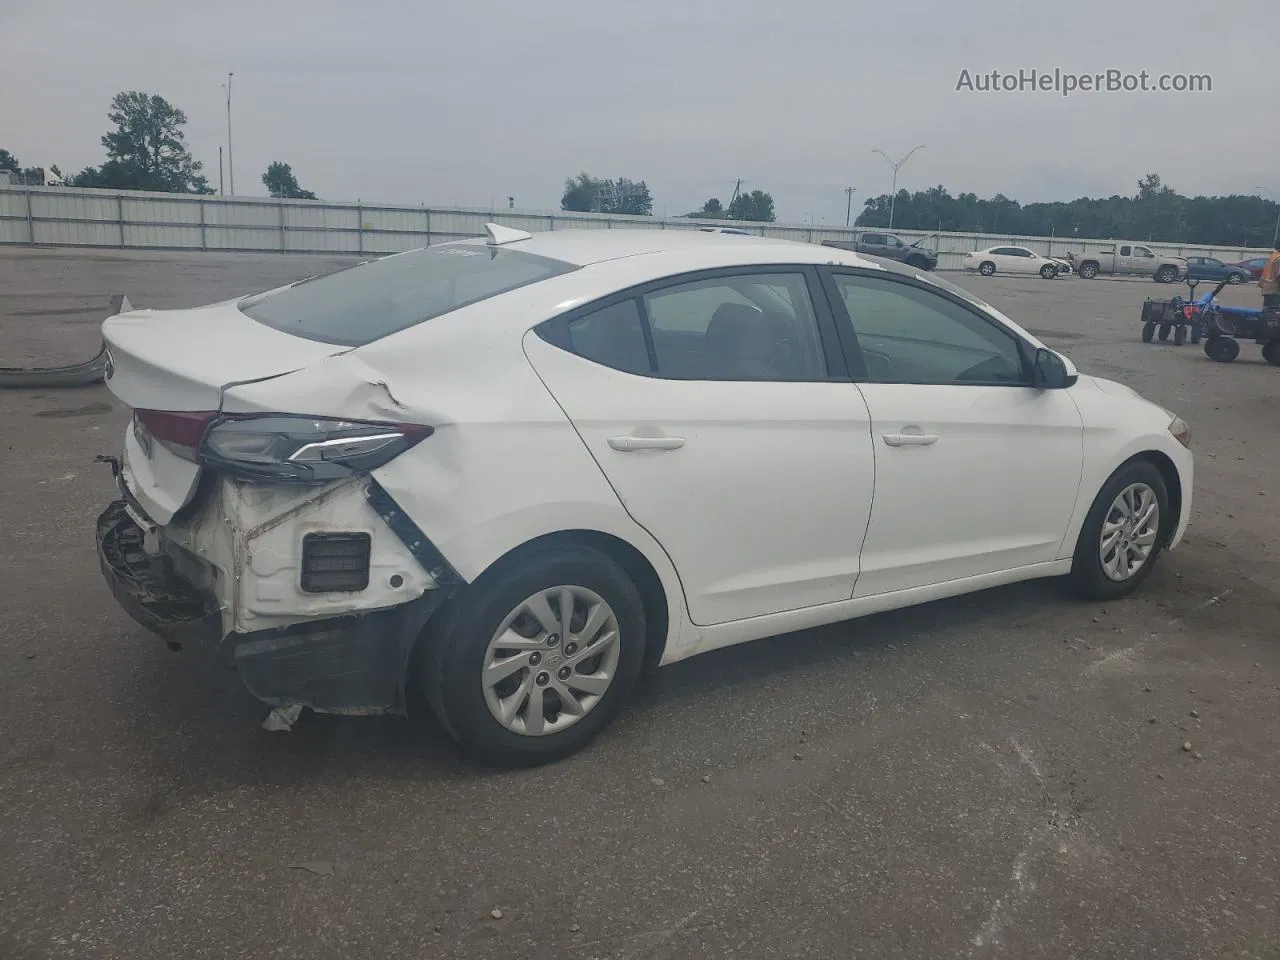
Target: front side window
[[907, 334], [364, 303]]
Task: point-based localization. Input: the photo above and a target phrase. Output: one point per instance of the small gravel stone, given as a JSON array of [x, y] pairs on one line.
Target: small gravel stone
[[1195, 713], [495, 913], [658, 782], [1151, 719], [575, 928], [799, 756], [1159, 776], [1187, 746], [706, 778], [1196, 756]]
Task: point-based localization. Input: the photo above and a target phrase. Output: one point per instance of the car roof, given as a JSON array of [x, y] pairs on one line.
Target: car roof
[[585, 247]]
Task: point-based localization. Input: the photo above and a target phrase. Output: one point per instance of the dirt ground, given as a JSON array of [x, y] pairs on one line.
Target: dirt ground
[[1001, 775]]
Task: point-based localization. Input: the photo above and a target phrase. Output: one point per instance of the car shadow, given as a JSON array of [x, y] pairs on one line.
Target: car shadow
[[200, 731]]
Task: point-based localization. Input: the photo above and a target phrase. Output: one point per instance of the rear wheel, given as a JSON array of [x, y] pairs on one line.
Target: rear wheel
[[1088, 271], [986, 268], [1123, 533], [1221, 349], [1271, 352], [1164, 331], [1148, 331], [1166, 274], [537, 656]]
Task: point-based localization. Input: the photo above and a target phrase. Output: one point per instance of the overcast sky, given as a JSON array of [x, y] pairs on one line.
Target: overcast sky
[[469, 101]]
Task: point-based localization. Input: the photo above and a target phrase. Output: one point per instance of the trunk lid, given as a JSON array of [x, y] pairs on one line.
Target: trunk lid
[[181, 361]]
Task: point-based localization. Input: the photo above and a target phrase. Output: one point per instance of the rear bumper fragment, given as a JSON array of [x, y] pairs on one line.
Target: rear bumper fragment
[[352, 664]]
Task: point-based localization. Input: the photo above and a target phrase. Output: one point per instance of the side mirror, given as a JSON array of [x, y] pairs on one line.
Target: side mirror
[[1053, 371]]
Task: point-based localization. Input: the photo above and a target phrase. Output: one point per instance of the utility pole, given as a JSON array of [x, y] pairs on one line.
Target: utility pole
[[221, 192], [231, 164], [848, 207], [896, 166], [736, 188]]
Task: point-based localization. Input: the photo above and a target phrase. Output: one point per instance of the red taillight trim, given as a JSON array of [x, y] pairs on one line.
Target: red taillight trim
[[185, 428]]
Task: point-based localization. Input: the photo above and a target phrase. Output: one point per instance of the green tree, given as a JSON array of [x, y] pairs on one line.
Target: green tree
[[756, 205], [713, 209], [585, 193], [9, 163], [280, 182], [147, 150]]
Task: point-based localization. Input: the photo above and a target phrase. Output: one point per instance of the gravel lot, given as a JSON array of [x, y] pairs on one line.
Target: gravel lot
[[997, 776]]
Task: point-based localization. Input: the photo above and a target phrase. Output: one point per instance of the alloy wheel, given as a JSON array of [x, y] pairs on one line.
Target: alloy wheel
[[551, 660], [1129, 531]]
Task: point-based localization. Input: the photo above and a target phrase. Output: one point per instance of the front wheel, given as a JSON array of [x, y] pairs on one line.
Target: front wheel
[[986, 268], [1166, 274], [1148, 331], [1221, 349], [1123, 533], [1048, 271], [1164, 331], [1235, 278], [537, 656]]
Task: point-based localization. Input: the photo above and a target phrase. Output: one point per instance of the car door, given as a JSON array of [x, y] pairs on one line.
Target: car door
[[1026, 261], [976, 471], [718, 407], [873, 244], [1005, 259]]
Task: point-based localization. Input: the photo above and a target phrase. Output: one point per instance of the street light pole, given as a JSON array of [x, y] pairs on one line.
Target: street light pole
[[231, 164], [848, 207], [896, 166]]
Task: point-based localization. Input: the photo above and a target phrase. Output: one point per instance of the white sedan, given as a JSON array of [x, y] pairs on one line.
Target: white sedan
[[504, 476], [1017, 260]]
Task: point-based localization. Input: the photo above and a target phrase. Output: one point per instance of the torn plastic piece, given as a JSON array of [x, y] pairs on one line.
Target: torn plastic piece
[[282, 719], [69, 375]]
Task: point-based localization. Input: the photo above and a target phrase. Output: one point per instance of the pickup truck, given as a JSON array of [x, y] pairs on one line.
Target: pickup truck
[[889, 247], [1134, 259]]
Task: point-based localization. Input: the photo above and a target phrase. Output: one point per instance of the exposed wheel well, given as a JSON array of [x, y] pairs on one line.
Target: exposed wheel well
[[638, 569], [1173, 484]]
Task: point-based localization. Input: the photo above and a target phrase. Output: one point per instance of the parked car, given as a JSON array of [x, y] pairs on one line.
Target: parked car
[[1208, 268], [1253, 266], [888, 246], [1016, 260], [1118, 259], [509, 474]]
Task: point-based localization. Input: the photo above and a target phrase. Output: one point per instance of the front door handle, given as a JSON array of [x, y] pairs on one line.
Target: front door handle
[[632, 444], [910, 439]]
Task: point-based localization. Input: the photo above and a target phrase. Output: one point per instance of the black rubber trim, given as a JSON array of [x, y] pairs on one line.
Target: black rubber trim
[[417, 542]]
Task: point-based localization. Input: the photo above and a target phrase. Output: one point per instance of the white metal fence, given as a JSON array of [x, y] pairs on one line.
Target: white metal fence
[[60, 216]]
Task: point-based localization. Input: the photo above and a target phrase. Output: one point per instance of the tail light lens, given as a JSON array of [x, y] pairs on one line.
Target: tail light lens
[[305, 449], [179, 432]]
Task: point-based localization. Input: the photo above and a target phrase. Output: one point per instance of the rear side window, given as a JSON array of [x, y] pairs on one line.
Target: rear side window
[[367, 302]]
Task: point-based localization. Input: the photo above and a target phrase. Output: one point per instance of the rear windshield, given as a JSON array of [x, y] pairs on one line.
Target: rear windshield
[[367, 302]]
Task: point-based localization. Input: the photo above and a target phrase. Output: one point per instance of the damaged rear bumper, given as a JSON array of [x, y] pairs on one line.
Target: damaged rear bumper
[[353, 663]]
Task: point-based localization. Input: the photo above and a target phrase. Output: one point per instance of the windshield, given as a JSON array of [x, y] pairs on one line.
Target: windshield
[[369, 301]]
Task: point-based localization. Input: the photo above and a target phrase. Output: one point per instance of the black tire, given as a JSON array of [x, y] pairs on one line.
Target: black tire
[[1088, 271], [1179, 334], [455, 645], [1088, 579], [1048, 271], [1271, 352], [1148, 331], [1166, 274], [1164, 332], [986, 268], [1221, 349]]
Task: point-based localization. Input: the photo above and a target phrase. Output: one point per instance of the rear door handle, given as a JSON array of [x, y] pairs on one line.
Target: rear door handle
[[910, 439], [632, 444]]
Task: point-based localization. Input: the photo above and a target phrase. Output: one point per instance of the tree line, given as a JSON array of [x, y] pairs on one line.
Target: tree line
[[587, 194], [146, 149], [1155, 212]]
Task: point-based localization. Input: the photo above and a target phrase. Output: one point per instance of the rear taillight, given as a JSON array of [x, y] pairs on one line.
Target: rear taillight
[[287, 447], [179, 432]]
